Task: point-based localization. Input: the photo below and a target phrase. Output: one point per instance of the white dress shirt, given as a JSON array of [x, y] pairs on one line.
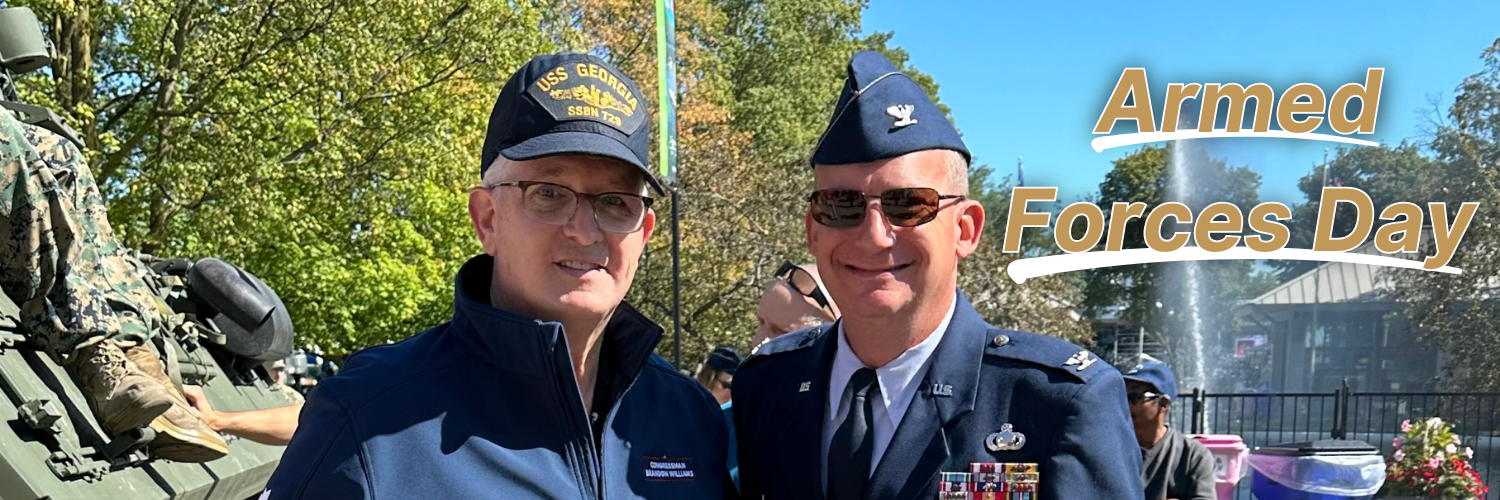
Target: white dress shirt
[[898, 384]]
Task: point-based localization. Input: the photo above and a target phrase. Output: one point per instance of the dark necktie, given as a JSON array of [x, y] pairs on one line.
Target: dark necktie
[[853, 444]]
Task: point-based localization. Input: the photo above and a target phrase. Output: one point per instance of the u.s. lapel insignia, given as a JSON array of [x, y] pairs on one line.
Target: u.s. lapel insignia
[[1005, 440], [806, 386], [902, 114], [1082, 360], [943, 390]]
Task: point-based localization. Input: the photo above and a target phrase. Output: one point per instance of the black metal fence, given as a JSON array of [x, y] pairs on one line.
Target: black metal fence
[[1372, 417]]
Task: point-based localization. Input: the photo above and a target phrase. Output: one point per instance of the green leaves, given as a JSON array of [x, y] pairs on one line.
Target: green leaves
[[326, 146]]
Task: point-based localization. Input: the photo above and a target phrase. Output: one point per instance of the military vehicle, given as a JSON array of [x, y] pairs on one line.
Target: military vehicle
[[224, 325]]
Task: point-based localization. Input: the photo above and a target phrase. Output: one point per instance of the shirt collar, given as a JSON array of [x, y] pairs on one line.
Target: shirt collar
[[898, 378]]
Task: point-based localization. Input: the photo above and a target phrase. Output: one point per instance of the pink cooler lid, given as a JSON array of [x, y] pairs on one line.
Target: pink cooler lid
[[1219, 439]]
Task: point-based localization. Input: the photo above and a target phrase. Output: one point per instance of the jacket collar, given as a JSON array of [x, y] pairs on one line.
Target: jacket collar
[[521, 344]]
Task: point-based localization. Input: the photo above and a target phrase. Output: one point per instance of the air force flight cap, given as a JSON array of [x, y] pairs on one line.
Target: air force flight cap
[[883, 114], [1156, 373], [569, 104]]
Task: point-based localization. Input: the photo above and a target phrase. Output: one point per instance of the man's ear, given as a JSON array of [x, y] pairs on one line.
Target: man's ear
[[970, 227], [482, 216]]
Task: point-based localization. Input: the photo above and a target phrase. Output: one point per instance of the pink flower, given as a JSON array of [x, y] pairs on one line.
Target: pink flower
[[1396, 443], [1451, 449], [1399, 456], [1433, 463], [1405, 425]]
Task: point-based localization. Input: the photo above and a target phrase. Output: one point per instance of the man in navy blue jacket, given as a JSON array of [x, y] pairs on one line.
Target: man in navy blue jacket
[[544, 384], [911, 392]]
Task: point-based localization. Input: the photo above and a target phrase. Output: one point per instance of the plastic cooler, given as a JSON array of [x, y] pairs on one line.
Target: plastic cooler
[[1317, 470], [1229, 461]]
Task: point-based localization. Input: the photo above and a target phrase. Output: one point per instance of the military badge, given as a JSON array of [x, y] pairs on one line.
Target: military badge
[[1005, 440]]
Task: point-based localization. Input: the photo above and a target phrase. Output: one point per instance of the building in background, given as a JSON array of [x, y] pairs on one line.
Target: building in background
[[1331, 323]]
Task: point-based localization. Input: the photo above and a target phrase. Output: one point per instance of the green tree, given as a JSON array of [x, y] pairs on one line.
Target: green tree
[[326, 146], [1388, 175], [1457, 313]]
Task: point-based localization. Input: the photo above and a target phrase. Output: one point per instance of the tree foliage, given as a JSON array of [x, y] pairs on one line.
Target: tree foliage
[[328, 145], [323, 145], [1457, 313]]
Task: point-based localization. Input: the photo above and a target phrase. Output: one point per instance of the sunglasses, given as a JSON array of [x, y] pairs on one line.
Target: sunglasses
[[903, 207], [804, 283], [1142, 397]]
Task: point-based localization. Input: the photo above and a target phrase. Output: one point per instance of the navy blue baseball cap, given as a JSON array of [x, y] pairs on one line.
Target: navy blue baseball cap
[[724, 359], [883, 114], [1156, 373], [569, 104]]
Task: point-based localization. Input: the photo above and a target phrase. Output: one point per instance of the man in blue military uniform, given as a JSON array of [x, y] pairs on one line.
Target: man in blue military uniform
[[543, 385], [911, 391]]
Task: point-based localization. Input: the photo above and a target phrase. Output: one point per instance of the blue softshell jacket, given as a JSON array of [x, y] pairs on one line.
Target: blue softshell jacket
[[486, 406]]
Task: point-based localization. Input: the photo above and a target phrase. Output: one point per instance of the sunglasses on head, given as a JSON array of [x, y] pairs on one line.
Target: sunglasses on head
[[903, 207], [804, 283]]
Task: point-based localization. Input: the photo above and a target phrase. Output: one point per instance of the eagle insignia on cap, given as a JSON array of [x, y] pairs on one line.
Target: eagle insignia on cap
[[902, 114]]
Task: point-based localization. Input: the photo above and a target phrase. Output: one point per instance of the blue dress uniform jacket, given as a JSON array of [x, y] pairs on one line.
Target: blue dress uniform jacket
[[1074, 416], [486, 406]]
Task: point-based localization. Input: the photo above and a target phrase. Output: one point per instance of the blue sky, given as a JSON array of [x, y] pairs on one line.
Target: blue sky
[[1030, 78]]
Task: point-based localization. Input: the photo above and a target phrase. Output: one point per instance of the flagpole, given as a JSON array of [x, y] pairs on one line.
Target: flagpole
[[666, 132]]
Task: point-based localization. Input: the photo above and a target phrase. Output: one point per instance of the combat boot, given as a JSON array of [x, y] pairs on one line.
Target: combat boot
[[181, 435], [124, 396]]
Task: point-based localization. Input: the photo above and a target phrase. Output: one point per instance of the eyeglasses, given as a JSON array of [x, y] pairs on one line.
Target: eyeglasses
[[1142, 397], [554, 204], [804, 283], [904, 207]]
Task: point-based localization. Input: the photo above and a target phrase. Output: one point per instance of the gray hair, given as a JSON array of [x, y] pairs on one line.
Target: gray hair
[[958, 171]]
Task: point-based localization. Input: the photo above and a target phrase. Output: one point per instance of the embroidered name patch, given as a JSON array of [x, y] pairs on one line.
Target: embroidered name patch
[[665, 468]]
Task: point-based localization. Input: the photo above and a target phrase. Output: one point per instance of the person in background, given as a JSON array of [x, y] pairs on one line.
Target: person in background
[[1173, 466], [271, 426], [793, 300], [717, 375]]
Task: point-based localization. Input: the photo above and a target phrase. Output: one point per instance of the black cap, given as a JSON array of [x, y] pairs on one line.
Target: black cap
[[569, 104], [883, 114], [724, 359]]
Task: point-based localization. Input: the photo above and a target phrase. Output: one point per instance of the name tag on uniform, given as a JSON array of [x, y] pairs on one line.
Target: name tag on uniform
[[666, 468]]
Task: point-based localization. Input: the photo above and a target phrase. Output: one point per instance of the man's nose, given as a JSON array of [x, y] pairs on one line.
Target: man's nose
[[875, 231], [583, 227]]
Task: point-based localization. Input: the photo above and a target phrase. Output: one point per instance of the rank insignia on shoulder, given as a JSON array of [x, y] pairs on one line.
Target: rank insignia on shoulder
[[1005, 440], [1082, 360]]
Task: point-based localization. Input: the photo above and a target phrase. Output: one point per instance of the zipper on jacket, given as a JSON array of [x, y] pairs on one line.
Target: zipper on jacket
[[588, 468]]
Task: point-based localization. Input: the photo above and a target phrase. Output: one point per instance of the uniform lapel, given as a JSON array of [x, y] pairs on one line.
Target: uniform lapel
[[799, 445], [948, 391]]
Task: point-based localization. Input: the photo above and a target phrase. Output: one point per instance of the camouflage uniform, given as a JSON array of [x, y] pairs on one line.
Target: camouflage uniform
[[59, 260]]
